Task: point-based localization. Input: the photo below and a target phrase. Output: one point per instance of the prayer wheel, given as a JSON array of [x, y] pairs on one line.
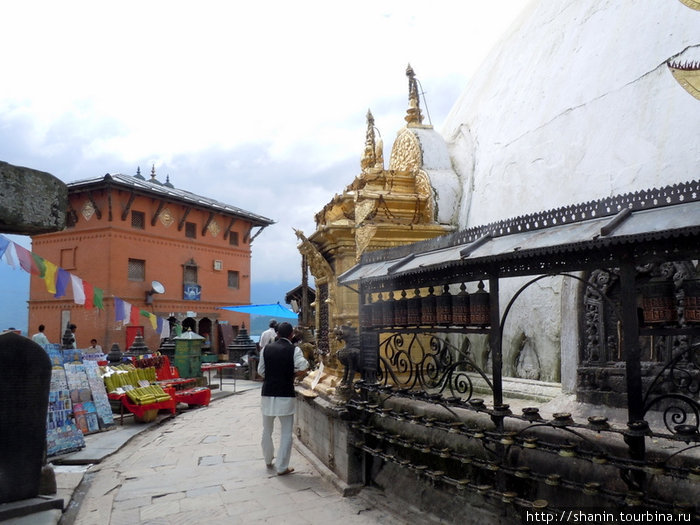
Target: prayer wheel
[[413, 309], [479, 307], [460, 307], [366, 313], [658, 302], [388, 310], [400, 310], [428, 308], [377, 308], [443, 307], [691, 309]]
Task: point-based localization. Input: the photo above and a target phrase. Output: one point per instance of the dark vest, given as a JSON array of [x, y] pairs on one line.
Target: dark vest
[[279, 369]]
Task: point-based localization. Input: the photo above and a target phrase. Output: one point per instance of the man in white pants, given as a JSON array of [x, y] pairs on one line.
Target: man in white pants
[[280, 363]]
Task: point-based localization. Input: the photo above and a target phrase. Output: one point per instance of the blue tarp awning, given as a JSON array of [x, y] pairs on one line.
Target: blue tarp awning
[[269, 310]]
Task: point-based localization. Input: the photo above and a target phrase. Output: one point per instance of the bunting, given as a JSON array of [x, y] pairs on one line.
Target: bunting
[[40, 264], [4, 243], [26, 261], [78, 290], [134, 317], [50, 271], [11, 256], [56, 280], [87, 289], [97, 298], [119, 310], [62, 278]]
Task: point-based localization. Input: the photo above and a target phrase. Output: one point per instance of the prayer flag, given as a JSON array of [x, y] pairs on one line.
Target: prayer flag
[[134, 317], [4, 243], [40, 264], [78, 290], [50, 276], [97, 294], [11, 255], [62, 278], [150, 316], [26, 261], [87, 287], [163, 328], [119, 310]]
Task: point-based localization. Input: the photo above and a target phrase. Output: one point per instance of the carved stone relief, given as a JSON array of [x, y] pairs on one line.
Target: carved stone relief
[[87, 210]]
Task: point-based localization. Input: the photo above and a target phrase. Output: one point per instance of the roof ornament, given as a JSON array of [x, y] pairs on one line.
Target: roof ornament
[[413, 114], [153, 176], [138, 174], [167, 182], [373, 156]]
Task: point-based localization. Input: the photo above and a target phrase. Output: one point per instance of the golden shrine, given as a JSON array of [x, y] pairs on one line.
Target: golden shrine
[[381, 208]]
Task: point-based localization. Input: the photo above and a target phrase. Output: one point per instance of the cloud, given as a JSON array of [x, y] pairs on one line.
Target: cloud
[[258, 104]]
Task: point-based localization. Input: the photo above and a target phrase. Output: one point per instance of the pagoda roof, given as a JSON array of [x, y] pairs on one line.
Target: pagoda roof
[[157, 189]]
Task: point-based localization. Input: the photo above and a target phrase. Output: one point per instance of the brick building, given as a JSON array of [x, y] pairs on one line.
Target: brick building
[[125, 232]]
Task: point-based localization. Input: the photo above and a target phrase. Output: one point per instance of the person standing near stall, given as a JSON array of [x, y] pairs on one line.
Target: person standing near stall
[[40, 337], [280, 363]]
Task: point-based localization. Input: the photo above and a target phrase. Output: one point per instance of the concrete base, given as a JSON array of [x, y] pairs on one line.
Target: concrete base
[[29, 507], [321, 429]]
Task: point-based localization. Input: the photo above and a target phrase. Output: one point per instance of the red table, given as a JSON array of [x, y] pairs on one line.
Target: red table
[[208, 367]]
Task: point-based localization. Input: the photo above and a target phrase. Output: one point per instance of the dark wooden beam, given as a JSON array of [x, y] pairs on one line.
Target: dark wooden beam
[[157, 213], [208, 222], [98, 212], [125, 214], [228, 228], [109, 204], [181, 224]]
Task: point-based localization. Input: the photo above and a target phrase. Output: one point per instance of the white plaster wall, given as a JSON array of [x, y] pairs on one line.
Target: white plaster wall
[[575, 103], [447, 188]]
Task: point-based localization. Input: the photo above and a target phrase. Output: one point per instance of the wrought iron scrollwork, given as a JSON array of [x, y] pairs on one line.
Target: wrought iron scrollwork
[[429, 363], [675, 391]]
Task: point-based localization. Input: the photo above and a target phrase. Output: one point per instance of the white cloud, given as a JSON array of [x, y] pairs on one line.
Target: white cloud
[[258, 104]]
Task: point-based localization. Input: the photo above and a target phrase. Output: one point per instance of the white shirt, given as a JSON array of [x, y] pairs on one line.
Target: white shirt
[[40, 338], [267, 337], [281, 406]]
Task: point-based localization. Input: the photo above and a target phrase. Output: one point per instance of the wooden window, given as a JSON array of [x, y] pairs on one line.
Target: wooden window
[[191, 230], [68, 258], [233, 279], [137, 270], [189, 275], [138, 220], [233, 238]]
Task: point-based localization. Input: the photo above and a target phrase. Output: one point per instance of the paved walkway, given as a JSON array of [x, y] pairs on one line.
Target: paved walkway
[[206, 466]]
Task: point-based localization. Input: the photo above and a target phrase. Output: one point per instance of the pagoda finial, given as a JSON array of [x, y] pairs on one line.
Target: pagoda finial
[[138, 173], [373, 155], [153, 176], [167, 182], [413, 114]]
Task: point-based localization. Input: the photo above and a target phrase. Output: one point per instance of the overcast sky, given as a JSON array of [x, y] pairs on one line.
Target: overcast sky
[[260, 105]]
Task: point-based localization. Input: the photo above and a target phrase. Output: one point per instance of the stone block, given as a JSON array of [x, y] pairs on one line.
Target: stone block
[[31, 201]]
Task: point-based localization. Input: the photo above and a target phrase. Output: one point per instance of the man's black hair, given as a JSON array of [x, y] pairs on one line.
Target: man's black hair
[[285, 330]]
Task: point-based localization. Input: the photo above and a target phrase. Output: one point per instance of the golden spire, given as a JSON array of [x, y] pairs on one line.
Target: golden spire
[[373, 155], [413, 114]]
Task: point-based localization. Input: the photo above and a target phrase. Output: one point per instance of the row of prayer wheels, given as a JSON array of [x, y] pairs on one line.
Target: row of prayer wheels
[[446, 309]]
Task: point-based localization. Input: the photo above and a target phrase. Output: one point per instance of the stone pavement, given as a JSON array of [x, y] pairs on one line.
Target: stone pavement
[[205, 466]]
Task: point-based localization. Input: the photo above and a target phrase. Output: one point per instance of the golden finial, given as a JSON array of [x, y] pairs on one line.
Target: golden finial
[[413, 114]]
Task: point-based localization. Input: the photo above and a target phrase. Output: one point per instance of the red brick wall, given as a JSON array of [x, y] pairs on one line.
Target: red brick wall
[[102, 249]]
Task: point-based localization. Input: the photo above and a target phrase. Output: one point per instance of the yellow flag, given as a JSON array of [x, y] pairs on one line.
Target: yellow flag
[[50, 276]]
